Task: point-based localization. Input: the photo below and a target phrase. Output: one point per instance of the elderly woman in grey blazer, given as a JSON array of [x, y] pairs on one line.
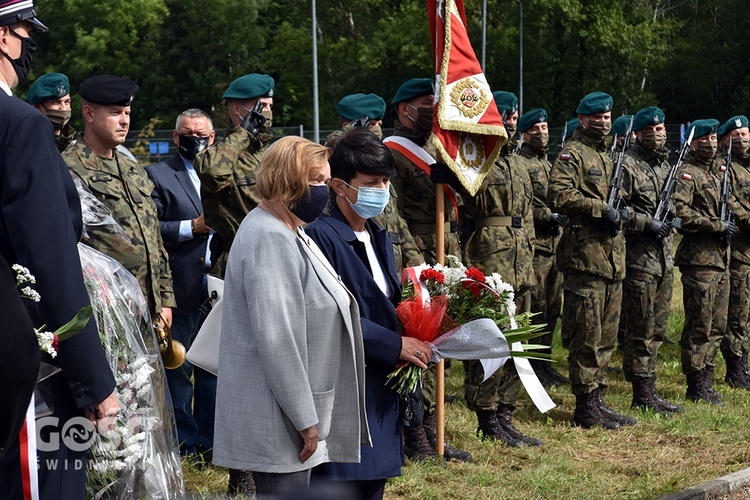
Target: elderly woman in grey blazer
[[290, 391]]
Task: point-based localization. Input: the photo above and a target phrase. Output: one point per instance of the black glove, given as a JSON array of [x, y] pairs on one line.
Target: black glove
[[660, 229], [611, 217], [254, 120], [440, 173], [730, 227], [556, 220]]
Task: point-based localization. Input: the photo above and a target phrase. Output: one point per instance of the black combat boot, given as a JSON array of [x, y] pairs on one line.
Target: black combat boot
[[489, 428], [556, 375], [708, 377], [416, 445], [745, 367], [504, 413], [449, 452], [609, 413], [543, 374], [241, 482], [587, 414], [695, 388], [644, 397], [735, 374], [667, 405]]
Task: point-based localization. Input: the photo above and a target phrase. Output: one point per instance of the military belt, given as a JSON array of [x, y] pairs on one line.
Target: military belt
[[499, 222], [451, 227]]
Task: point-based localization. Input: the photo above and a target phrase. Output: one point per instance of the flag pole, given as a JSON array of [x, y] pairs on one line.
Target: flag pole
[[440, 367]]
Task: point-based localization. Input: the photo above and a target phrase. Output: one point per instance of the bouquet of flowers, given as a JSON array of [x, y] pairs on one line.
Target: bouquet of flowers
[[462, 314]]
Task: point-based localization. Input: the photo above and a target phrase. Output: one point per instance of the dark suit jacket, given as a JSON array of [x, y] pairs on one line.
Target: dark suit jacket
[[381, 333], [177, 200], [40, 225]]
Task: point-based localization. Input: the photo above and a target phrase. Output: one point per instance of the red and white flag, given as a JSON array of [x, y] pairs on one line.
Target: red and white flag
[[468, 130]]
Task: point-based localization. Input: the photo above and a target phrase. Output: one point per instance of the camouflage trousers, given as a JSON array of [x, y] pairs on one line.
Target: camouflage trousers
[[646, 301], [504, 385], [591, 317], [705, 296], [546, 296], [735, 341]]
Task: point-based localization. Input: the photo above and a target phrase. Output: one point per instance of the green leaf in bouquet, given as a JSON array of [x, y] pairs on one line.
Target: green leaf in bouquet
[[535, 355], [75, 325]]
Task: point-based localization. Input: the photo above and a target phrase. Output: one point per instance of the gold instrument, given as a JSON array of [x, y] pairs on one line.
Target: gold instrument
[[172, 351]]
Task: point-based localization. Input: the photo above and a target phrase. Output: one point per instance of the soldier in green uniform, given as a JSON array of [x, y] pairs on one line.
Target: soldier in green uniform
[[502, 242], [591, 256], [50, 94], [703, 258], [227, 169], [366, 110], [546, 296], [647, 288], [507, 104], [123, 186], [619, 130], [735, 343]]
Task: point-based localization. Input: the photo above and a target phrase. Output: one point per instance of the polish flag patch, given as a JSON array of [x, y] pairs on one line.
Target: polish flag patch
[[723, 168], [565, 156], [687, 176]]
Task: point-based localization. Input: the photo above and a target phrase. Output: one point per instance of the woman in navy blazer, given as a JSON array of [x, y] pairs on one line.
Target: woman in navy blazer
[[361, 253]]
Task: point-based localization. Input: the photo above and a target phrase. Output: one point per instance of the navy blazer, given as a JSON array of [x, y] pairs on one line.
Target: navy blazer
[[40, 226], [381, 332], [176, 200]]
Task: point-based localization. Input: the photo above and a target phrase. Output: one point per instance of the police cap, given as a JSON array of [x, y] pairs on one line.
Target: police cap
[[49, 86], [531, 118], [15, 11], [416, 87], [357, 106], [595, 102], [108, 89], [250, 86], [733, 123], [647, 116]]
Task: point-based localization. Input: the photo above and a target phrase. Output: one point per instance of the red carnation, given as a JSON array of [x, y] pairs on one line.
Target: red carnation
[[475, 274], [431, 274], [55, 342], [474, 279]]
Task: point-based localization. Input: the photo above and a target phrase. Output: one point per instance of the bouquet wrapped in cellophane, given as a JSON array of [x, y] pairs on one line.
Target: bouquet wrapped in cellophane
[[462, 314], [140, 458]]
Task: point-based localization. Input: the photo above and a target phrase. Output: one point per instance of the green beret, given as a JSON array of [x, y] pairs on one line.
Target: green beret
[[531, 118], [733, 123], [357, 106], [595, 102], [702, 127], [416, 87], [621, 124], [505, 101], [647, 116], [108, 89], [49, 86], [250, 86], [569, 128]]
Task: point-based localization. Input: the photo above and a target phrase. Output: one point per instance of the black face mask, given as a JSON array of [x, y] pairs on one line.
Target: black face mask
[[191, 145], [311, 206], [22, 65]]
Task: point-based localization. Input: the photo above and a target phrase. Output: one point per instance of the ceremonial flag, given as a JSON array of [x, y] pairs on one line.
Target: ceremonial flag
[[468, 131]]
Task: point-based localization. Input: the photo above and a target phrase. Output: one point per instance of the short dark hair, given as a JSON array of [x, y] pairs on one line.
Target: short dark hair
[[360, 151]]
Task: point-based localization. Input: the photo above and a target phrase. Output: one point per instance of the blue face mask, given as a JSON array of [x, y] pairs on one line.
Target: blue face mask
[[310, 207], [370, 201]]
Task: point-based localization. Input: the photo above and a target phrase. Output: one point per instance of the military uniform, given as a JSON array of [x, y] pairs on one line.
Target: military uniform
[[703, 259], [405, 249], [125, 189], [227, 174]]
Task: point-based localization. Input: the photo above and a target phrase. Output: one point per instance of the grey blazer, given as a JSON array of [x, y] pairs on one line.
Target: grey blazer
[[291, 354]]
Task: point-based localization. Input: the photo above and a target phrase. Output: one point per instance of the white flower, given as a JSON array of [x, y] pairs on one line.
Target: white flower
[[46, 340], [23, 275], [31, 294]]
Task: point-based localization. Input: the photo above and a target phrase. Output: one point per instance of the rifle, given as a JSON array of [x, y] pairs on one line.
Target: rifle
[[614, 199], [724, 211], [663, 213], [520, 143]]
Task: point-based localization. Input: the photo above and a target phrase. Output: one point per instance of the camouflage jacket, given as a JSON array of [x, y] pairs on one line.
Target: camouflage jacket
[[740, 181], [227, 174], [67, 135], [643, 175], [538, 167], [579, 186], [503, 241], [416, 201], [405, 249], [125, 189], [696, 200]]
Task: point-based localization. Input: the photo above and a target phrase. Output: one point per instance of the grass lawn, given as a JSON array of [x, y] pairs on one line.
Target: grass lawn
[[656, 457]]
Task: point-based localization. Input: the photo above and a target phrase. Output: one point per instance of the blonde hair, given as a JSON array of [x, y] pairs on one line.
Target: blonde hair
[[286, 167]]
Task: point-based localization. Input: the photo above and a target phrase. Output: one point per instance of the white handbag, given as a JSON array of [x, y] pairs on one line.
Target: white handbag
[[204, 351]]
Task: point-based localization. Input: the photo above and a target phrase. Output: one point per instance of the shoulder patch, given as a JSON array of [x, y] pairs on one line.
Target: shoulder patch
[[565, 156], [687, 176]]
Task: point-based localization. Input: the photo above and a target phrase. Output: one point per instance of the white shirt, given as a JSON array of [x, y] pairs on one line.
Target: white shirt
[[377, 271]]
